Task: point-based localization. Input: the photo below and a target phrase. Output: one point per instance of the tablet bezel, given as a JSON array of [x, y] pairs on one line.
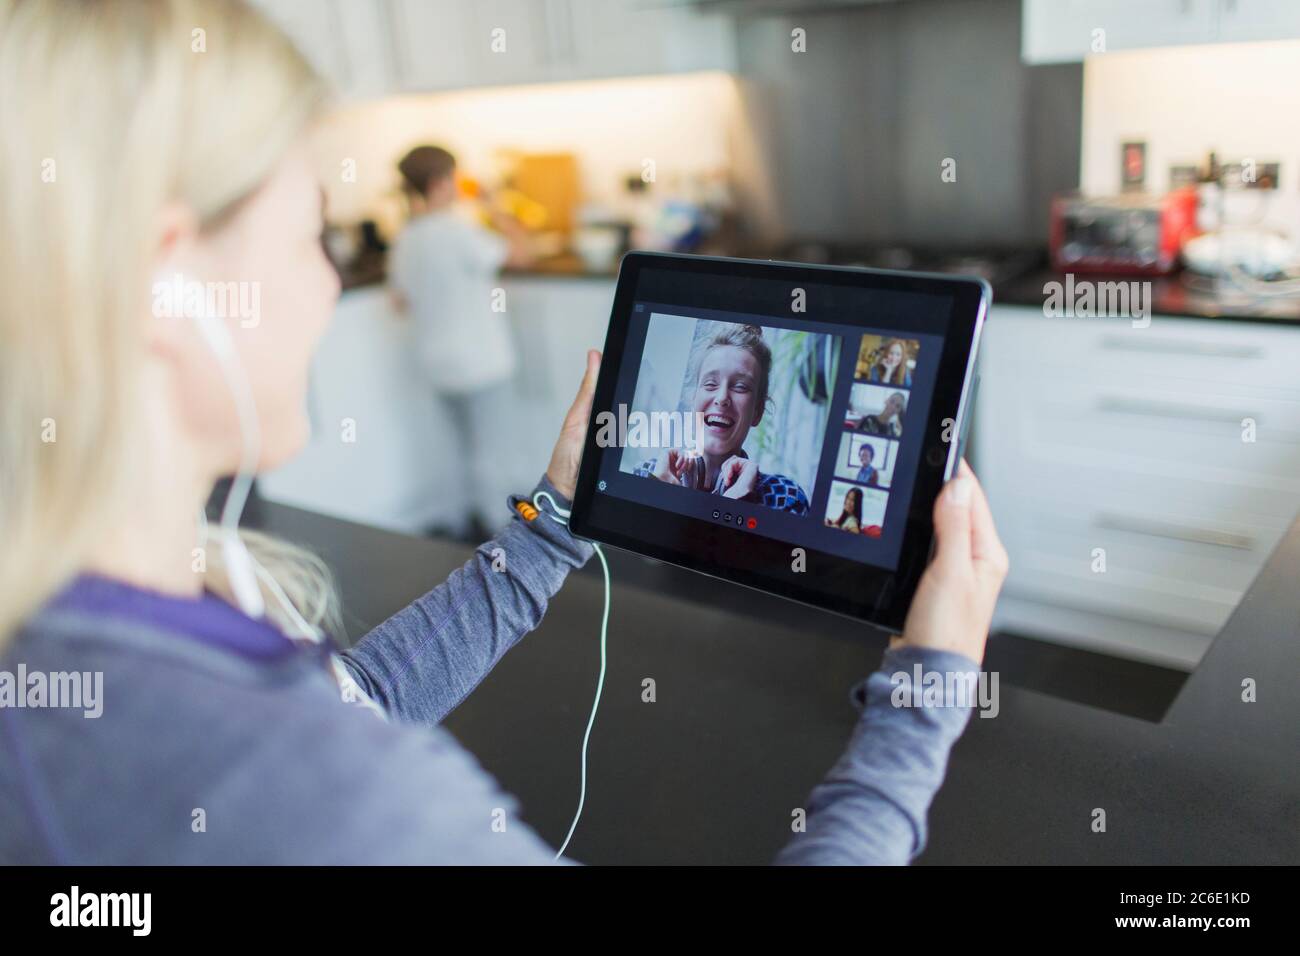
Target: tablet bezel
[[852, 588]]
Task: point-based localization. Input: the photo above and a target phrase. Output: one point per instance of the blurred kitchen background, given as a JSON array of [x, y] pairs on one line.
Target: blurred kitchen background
[[1148, 139]]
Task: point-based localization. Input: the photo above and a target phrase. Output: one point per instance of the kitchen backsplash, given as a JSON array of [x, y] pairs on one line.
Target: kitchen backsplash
[[686, 125], [1240, 100]]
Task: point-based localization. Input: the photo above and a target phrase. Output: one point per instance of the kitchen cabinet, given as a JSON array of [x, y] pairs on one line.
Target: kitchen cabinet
[[557, 40], [349, 43], [382, 448], [448, 44], [381, 47], [377, 449], [1246, 20], [630, 37], [1092, 434], [1061, 31]]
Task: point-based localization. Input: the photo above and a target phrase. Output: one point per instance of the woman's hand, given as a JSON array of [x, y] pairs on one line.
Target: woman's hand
[[563, 469], [739, 475], [668, 466], [954, 603]]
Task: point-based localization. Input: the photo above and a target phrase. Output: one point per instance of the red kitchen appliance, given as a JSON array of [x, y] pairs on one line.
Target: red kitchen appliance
[[1135, 234]]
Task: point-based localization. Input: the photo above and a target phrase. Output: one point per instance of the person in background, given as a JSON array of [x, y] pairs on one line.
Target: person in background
[[443, 275], [867, 474]]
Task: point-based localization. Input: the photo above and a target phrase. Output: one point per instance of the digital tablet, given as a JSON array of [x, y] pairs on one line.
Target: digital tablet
[[782, 426]]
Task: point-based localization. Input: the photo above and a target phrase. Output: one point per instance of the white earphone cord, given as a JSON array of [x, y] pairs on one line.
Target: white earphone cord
[[245, 570], [559, 516]]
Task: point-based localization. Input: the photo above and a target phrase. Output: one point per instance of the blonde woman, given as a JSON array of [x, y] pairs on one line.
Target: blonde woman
[[134, 159]]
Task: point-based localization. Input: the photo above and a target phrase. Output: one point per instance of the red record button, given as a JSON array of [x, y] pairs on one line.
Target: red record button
[[751, 524]]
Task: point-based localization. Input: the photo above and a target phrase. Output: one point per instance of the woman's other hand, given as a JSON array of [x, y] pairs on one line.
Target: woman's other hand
[[739, 475], [563, 469], [668, 466], [954, 603]]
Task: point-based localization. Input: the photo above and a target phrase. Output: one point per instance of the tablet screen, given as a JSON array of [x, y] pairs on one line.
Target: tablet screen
[[785, 427], [793, 427]]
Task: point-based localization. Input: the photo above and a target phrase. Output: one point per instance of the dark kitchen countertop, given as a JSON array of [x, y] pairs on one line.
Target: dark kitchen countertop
[[372, 271], [1181, 295], [1019, 282], [1018, 275], [752, 708]]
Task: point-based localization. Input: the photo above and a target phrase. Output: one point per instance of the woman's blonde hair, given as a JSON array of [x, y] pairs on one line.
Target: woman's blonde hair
[[108, 110]]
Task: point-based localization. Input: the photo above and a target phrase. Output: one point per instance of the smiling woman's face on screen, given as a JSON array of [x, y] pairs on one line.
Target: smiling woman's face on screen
[[726, 394]]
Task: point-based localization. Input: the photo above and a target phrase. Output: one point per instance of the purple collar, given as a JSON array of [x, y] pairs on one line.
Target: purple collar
[[207, 619]]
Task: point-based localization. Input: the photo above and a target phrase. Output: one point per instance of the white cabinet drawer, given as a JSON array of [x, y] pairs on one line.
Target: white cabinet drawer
[[1159, 568], [1162, 433], [1196, 609], [1201, 354], [1079, 487]]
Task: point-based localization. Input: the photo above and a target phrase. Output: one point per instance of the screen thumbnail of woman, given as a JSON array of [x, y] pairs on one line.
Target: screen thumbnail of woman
[[749, 407], [886, 361], [856, 509], [877, 410], [866, 459]]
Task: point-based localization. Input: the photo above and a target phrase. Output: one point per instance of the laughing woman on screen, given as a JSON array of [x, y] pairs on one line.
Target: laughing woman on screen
[[731, 395]]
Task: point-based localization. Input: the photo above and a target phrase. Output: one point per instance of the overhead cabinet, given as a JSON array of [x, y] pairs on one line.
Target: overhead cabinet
[[1063, 31], [379, 47], [349, 43]]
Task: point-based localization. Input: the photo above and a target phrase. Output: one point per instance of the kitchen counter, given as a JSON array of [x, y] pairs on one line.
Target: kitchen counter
[[565, 266], [1181, 295], [752, 708], [371, 271], [385, 451]]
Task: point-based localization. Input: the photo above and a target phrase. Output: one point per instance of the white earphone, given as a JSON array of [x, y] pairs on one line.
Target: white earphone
[[243, 570], [241, 567]]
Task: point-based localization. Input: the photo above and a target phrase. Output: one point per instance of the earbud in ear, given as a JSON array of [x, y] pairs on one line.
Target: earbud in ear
[[182, 303]]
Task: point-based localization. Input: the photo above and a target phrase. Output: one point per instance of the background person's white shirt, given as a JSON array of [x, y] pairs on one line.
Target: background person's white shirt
[[446, 269]]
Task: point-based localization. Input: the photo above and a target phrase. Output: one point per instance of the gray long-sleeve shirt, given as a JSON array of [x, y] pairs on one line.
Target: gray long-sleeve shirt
[[208, 750]]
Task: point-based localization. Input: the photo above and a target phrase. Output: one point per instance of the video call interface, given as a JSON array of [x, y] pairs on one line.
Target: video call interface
[[799, 429]]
